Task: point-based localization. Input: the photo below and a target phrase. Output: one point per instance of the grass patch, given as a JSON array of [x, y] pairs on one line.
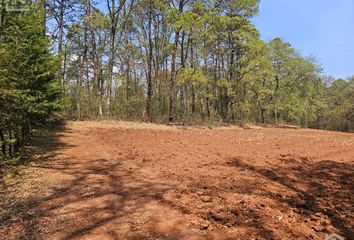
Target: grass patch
[[209, 124]]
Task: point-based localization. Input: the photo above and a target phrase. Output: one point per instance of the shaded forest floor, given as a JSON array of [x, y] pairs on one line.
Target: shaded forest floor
[[116, 180]]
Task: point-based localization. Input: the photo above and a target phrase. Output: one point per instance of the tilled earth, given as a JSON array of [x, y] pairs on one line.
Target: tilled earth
[[117, 180]]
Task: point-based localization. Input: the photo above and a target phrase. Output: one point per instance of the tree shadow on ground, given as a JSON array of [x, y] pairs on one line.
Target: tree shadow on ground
[[91, 197], [110, 198], [320, 187], [42, 145]]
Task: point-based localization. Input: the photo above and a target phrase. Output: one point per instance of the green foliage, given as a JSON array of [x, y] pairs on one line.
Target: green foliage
[[209, 124], [192, 76], [29, 89], [188, 61], [128, 104], [339, 114]]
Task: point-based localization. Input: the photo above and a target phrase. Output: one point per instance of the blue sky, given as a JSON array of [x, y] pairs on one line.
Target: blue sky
[[323, 28]]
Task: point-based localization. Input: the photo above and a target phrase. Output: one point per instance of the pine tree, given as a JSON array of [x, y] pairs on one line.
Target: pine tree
[[29, 90]]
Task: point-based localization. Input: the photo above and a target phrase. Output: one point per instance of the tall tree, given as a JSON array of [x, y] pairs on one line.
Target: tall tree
[[29, 91]]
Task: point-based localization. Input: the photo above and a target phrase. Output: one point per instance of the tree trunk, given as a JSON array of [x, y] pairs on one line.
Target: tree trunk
[[2, 12], [44, 22], [262, 110], [110, 66], [17, 143], [60, 38], [24, 137], [114, 15], [275, 111], [3, 145], [208, 108], [192, 85], [149, 63], [127, 62], [230, 75], [61, 26], [10, 144], [193, 101], [64, 66], [173, 79], [84, 56]]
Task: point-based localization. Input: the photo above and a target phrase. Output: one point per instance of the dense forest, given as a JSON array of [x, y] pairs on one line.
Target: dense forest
[[157, 60]]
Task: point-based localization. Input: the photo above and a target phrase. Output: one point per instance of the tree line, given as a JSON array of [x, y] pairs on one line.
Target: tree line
[[161, 61], [187, 60]]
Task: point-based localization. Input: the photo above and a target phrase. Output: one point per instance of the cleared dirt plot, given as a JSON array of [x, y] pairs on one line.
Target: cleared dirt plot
[[114, 180]]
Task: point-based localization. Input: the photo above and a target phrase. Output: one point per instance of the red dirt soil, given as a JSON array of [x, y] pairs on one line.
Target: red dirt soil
[[116, 180]]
